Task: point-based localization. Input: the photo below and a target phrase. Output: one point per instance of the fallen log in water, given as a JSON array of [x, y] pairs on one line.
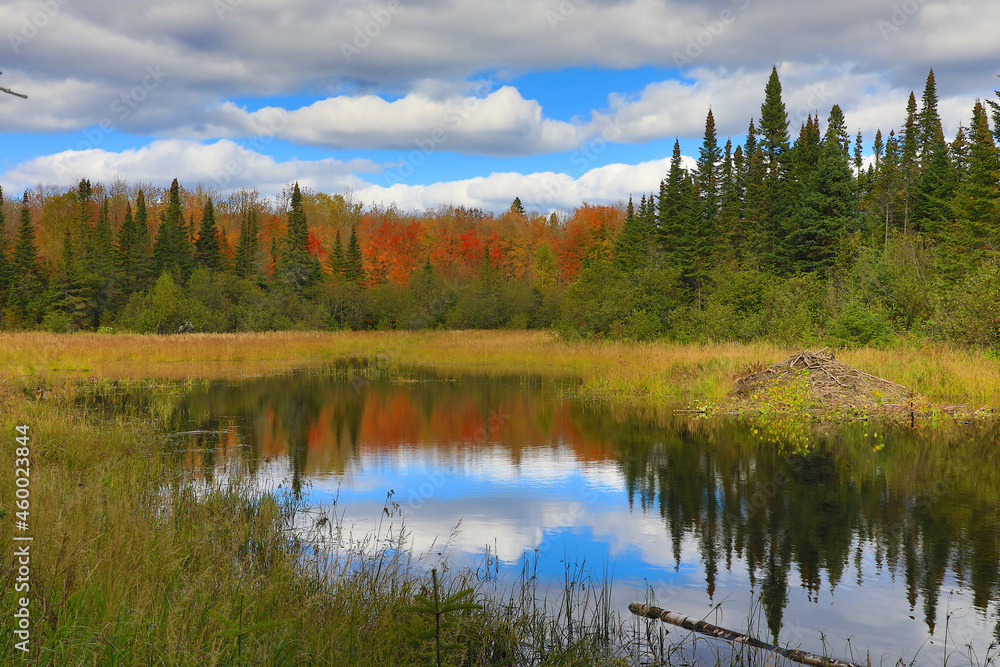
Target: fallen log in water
[[704, 628]]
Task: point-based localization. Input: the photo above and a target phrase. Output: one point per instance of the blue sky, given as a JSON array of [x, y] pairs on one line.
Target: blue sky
[[434, 102]]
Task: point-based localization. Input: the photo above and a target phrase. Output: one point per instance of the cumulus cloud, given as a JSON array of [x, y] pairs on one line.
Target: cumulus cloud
[[228, 166], [223, 164], [496, 123], [226, 49]]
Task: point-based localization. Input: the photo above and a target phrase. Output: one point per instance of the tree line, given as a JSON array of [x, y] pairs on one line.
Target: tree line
[[797, 241]]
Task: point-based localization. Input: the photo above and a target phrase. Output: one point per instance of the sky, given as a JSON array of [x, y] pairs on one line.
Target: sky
[[424, 103]]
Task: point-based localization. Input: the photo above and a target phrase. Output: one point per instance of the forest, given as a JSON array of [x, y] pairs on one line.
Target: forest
[[799, 241]]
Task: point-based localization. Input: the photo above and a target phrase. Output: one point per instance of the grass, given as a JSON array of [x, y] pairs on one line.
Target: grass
[[633, 374], [135, 563]]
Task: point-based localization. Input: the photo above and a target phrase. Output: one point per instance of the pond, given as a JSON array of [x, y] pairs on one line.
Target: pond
[[856, 539]]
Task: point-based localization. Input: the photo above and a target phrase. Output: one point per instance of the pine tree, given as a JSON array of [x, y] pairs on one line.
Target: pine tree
[[68, 292], [99, 277], [296, 267], [730, 232], [172, 250], [26, 284], [709, 159], [773, 124], [995, 106], [670, 204], [774, 143], [826, 209], [337, 257], [909, 166], [248, 245], [206, 248], [517, 208], [5, 268], [353, 266], [929, 130], [630, 249], [124, 255], [141, 257], [977, 202]]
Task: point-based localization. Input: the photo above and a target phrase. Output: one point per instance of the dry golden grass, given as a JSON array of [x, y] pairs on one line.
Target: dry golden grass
[[637, 373]]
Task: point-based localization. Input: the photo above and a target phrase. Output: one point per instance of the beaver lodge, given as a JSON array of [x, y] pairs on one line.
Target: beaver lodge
[[818, 380]]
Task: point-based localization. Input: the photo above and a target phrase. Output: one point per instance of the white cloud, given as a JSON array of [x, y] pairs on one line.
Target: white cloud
[[223, 164], [496, 123]]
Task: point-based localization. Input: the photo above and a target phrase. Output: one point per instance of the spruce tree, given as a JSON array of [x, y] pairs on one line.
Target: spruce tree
[[206, 248], [295, 266], [517, 208], [172, 250], [124, 255], [337, 257], [248, 245], [141, 256], [929, 130], [26, 283], [5, 268], [670, 205], [827, 207], [353, 265], [709, 159], [909, 165], [977, 201], [630, 249]]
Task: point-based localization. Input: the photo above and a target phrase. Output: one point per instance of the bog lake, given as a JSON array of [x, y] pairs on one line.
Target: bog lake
[[864, 539]]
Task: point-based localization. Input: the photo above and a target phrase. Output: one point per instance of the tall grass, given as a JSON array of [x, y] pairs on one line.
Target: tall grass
[[634, 374], [135, 562]]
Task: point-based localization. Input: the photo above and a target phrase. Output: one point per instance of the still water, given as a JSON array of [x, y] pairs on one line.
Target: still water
[[870, 540]]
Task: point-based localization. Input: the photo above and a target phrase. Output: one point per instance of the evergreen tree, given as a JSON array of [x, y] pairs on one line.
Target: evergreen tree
[[929, 130], [99, 277], [933, 192], [827, 207], [353, 266], [5, 268], [995, 106], [909, 166], [630, 248], [124, 255], [709, 159], [774, 143], [517, 208], [69, 294], [206, 248], [141, 257], [773, 124], [730, 233], [977, 201], [670, 204], [337, 257], [26, 284], [172, 250], [248, 246], [296, 266]]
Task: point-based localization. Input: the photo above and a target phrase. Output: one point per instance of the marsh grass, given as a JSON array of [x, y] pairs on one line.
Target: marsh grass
[[136, 562], [619, 373]]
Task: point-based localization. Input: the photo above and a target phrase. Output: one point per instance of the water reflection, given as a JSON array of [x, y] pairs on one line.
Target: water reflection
[[881, 538]]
